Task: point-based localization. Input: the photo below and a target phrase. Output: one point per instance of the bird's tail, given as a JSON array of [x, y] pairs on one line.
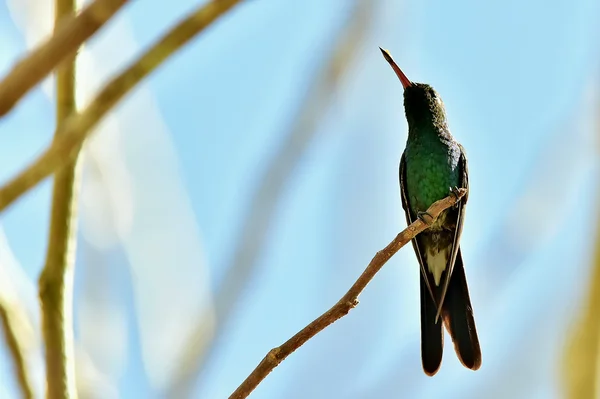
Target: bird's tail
[[432, 336], [458, 317]]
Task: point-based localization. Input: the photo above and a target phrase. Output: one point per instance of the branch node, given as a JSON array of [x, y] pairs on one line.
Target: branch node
[[352, 303], [344, 306], [273, 356]]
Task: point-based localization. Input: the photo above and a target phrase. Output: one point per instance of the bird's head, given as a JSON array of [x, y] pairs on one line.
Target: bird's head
[[422, 104]]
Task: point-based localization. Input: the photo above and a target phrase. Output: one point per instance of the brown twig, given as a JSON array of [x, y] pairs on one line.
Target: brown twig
[[56, 279], [66, 40], [263, 203], [276, 355], [15, 331], [73, 132]]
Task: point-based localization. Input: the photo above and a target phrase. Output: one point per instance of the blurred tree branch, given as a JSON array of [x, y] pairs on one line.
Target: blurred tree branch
[[345, 304], [15, 330], [262, 206], [72, 32], [56, 279], [580, 366], [71, 134], [582, 349], [15, 318]]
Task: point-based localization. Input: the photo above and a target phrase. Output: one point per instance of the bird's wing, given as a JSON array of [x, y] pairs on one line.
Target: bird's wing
[[464, 170], [410, 218], [460, 217]]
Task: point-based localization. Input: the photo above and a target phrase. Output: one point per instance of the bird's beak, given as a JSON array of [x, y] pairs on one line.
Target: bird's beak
[[399, 73]]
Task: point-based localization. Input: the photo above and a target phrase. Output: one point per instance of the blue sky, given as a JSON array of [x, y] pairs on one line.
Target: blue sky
[[519, 81]]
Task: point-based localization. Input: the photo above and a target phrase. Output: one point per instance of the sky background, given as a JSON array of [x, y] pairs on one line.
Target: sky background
[[169, 176]]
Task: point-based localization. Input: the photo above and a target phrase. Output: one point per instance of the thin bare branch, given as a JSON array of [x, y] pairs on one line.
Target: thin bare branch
[[14, 333], [72, 133], [66, 40], [263, 203], [276, 355], [56, 279]]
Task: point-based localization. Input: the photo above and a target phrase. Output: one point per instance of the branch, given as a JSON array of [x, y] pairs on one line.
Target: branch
[[16, 322], [71, 134], [66, 40], [15, 332], [345, 304], [56, 279]]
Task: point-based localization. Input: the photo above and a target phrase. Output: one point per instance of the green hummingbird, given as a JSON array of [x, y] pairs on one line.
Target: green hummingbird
[[433, 165]]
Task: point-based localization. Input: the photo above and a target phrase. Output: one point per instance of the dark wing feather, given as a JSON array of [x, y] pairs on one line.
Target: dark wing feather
[[432, 336], [410, 219], [458, 318], [464, 182]]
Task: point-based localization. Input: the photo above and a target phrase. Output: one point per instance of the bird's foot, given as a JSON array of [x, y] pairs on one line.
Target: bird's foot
[[455, 191], [428, 221]]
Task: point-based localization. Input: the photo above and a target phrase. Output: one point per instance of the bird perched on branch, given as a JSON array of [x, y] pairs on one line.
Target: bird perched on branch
[[434, 165]]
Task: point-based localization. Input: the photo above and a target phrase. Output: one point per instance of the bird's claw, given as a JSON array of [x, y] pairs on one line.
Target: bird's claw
[[421, 215], [455, 191]]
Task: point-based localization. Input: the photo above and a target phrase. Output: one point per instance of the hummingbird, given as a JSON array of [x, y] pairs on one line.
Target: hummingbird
[[433, 166]]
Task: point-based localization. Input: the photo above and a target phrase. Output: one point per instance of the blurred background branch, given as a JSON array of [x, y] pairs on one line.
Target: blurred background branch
[[19, 325], [582, 347], [263, 202], [56, 279], [580, 366], [71, 134], [73, 31], [15, 332]]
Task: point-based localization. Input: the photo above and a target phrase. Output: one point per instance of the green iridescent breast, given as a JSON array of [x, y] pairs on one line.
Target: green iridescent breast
[[431, 169]]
